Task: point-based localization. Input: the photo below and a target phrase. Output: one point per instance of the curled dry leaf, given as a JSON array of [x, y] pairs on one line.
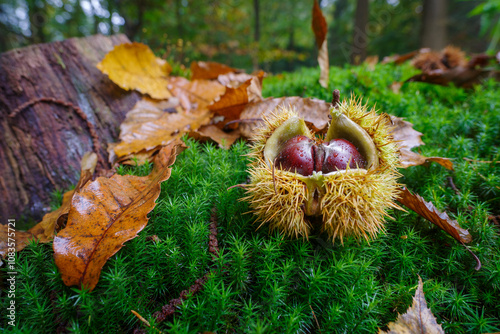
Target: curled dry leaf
[[152, 124], [233, 102], [134, 66], [408, 138], [44, 231], [208, 70], [320, 30], [106, 213], [313, 111], [432, 214], [417, 319]]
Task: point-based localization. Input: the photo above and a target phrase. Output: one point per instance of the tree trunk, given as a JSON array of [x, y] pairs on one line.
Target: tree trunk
[[41, 144], [360, 39], [434, 22], [256, 34]]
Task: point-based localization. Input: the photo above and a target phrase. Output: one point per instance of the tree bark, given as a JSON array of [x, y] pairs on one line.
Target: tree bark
[[256, 34], [360, 38], [41, 143], [434, 22]]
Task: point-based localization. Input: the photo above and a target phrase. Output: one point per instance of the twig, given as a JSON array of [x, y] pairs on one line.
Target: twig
[[170, 308], [336, 98], [453, 186], [314, 315], [482, 161], [478, 262]]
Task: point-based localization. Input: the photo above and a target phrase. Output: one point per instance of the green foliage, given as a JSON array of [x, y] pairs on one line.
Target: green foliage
[[267, 283]]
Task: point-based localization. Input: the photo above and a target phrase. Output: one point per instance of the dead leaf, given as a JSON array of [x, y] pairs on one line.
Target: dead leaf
[[195, 95], [408, 138], [408, 159], [152, 124], [460, 76], [208, 70], [320, 30], [212, 132], [53, 221], [417, 319], [12, 240], [319, 25], [104, 214], [231, 104], [313, 111], [429, 212], [44, 231], [134, 66]]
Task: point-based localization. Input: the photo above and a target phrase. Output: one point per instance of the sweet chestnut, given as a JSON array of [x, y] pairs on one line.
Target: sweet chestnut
[[302, 155]]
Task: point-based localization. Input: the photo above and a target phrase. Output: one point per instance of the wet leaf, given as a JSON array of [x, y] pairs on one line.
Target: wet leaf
[[432, 214], [104, 215], [44, 231], [209, 70], [320, 30], [153, 124], [314, 111], [53, 221], [417, 319], [134, 66]]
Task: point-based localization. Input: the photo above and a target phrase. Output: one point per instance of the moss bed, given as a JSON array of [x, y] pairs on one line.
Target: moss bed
[[263, 283]]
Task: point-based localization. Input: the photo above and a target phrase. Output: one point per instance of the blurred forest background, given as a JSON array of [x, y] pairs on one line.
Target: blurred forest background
[[250, 34]]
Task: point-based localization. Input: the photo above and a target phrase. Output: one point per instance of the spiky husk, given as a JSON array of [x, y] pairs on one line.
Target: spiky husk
[[353, 203]]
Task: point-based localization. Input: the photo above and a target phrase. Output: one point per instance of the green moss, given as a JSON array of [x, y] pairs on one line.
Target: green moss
[[265, 283]]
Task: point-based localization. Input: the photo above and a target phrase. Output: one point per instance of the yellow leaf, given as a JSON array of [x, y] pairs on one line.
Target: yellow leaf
[[134, 66]]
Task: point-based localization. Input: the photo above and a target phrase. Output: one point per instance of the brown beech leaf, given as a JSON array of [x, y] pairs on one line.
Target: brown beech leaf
[[209, 70], [104, 215], [429, 212], [320, 30], [212, 132], [407, 138], [314, 112], [231, 104], [417, 319], [152, 124], [370, 62], [196, 94], [134, 66], [53, 221], [44, 231]]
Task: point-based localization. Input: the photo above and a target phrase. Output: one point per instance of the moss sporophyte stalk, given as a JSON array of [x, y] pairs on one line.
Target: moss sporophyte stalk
[[343, 184]]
